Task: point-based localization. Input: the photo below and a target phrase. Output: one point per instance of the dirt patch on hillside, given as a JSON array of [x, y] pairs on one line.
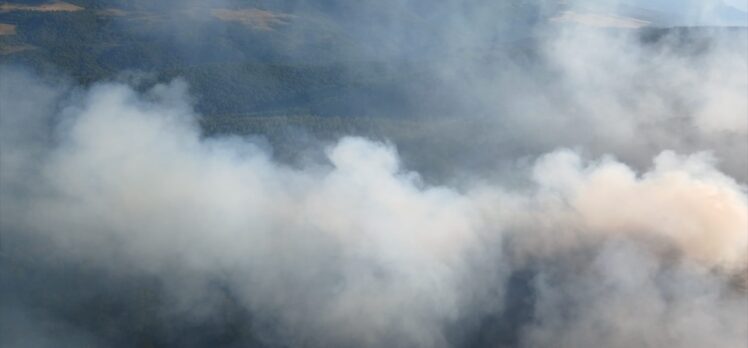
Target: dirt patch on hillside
[[7, 29], [254, 18], [57, 6]]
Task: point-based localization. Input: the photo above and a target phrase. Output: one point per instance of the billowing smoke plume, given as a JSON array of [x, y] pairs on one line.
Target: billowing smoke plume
[[619, 218]]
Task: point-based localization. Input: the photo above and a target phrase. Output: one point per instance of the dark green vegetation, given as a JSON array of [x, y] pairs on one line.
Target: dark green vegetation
[[265, 62], [253, 57]]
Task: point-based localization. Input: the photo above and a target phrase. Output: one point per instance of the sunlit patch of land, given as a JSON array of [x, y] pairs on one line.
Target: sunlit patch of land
[[252, 17], [57, 6]]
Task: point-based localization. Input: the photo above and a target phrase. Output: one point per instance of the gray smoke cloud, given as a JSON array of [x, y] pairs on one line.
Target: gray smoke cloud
[[613, 213]]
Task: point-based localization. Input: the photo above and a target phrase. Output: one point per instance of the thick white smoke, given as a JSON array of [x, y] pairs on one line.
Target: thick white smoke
[[356, 250]]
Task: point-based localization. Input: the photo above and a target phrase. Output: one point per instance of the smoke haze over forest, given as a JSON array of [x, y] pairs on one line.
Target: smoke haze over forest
[[379, 174]]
